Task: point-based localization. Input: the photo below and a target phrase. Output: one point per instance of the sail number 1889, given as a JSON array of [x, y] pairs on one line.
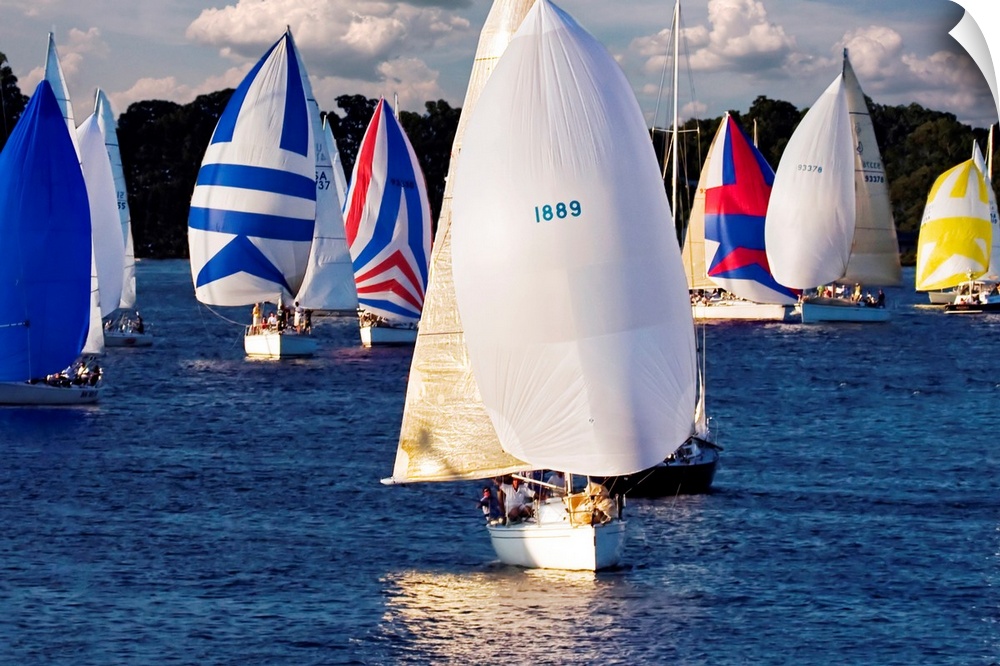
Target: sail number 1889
[[560, 211]]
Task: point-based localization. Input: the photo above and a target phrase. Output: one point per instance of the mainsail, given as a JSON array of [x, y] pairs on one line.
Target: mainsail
[[54, 75], [109, 127], [328, 283], [875, 250], [446, 433], [993, 272]]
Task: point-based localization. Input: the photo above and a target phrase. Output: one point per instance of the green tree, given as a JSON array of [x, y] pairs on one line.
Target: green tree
[[432, 135], [12, 102], [162, 145]]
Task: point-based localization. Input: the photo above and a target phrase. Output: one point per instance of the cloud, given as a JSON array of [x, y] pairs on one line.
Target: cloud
[[890, 73], [738, 38], [408, 78], [170, 89], [344, 38], [73, 51]]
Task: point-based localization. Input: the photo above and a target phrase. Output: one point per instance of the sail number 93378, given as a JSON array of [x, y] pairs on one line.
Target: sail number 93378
[[559, 211], [811, 168]]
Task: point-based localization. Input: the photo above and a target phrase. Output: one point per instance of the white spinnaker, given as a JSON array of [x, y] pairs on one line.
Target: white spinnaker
[[579, 327], [811, 212]]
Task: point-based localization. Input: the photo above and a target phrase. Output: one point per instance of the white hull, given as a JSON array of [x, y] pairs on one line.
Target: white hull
[[743, 310], [121, 339], [560, 545], [841, 310], [387, 335], [272, 344], [23, 393], [941, 297], [552, 541]]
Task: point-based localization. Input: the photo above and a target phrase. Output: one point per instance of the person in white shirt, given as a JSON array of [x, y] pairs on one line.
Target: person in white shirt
[[517, 499]]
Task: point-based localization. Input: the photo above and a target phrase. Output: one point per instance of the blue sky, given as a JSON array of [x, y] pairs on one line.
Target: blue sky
[[423, 49]]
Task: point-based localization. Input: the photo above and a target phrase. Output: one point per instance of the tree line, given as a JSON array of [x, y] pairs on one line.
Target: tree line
[[162, 144]]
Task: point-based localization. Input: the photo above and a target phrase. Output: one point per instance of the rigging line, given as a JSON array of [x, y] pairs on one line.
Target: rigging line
[[223, 318]]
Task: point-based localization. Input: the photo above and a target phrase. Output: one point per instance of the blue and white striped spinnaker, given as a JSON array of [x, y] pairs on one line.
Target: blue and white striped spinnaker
[[254, 205]]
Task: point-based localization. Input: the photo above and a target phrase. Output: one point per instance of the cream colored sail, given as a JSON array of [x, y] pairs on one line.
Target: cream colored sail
[[955, 234], [446, 433], [693, 250], [875, 251]]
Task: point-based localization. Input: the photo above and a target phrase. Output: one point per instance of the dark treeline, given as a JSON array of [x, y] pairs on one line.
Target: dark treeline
[[162, 144]]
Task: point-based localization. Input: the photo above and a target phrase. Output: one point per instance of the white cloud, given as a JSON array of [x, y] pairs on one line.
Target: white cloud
[[74, 50], [170, 89], [739, 37], [345, 38]]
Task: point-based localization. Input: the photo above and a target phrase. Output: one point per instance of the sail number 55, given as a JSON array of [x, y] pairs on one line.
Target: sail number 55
[[560, 210]]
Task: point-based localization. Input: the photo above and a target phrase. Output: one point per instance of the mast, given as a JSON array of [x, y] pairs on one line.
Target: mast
[[673, 133], [989, 157]]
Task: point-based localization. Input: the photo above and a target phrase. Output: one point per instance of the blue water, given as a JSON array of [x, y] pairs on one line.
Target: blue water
[[216, 510]]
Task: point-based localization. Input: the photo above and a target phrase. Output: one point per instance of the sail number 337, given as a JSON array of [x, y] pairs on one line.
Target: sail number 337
[[559, 211]]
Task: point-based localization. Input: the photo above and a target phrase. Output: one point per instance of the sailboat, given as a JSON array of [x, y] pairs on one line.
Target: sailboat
[[953, 247], [127, 328], [829, 218], [570, 292], [253, 210], [388, 223], [724, 243], [44, 303]]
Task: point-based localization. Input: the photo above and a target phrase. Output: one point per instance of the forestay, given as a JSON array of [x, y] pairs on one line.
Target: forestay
[[567, 271]]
